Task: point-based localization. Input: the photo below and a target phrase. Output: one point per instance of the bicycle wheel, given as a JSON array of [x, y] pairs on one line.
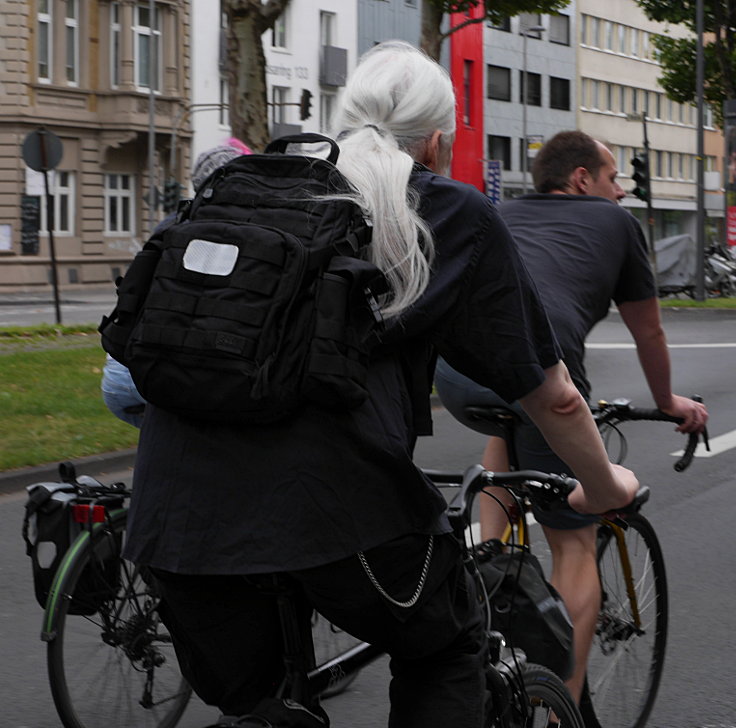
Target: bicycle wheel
[[110, 660], [627, 656], [544, 701], [329, 642]]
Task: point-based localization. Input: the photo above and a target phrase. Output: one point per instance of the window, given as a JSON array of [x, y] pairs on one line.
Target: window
[[608, 35], [499, 147], [594, 32], [326, 28], [223, 118], [119, 203], [634, 37], [608, 102], [559, 29], [279, 32], [621, 39], [534, 96], [559, 93], [280, 97], [71, 27], [622, 99], [326, 109], [504, 25], [61, 187], [467, 91], [594, 102], [147, 48], [115, 45], [499, 83], [530, 20], [44, 40]]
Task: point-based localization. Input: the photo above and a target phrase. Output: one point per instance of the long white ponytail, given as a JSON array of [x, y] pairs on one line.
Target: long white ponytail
[[396, 99]]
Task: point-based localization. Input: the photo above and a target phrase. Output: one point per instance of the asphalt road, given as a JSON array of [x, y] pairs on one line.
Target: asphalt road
[[694, 514]]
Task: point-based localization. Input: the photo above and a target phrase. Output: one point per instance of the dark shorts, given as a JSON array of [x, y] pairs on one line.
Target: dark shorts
[[532, 451]]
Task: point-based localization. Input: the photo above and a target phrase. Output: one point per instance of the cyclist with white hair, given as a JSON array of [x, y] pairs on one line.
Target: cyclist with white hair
[[327, 496]]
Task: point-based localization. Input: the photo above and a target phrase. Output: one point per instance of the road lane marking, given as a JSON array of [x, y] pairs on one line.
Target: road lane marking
[[723, 345], [719, 444]]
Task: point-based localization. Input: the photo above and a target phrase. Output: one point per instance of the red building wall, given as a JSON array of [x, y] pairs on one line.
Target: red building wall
[[466, 70]]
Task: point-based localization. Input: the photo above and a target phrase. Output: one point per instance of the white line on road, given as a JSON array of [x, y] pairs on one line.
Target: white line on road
[[723, 345], [719, 444]]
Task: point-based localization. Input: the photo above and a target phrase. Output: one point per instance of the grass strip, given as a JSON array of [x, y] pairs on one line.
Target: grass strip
[[53, 409]]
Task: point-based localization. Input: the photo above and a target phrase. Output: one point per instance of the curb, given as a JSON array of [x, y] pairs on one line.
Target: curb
[[12, 481]]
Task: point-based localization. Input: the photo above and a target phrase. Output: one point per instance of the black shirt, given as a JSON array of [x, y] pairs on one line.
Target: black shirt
[[220, 499], [582, 252]]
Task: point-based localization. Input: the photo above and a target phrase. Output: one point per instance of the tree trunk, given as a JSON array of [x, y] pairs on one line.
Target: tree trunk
[[248, 20], [431, 38]]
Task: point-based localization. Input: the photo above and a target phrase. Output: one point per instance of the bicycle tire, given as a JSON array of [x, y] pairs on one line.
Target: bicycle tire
[[625, 663], [543, 701], [330, 642], [104, 662]]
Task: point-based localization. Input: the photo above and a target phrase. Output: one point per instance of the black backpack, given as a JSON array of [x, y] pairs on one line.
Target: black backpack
[[257, 299]]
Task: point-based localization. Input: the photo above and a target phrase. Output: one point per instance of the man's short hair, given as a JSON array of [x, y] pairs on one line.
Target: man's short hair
[[561, 155]]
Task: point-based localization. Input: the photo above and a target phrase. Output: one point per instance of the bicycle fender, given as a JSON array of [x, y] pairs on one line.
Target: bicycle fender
[[58, 588]]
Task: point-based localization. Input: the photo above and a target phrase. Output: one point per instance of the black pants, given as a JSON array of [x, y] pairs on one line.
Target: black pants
[[227, 633]]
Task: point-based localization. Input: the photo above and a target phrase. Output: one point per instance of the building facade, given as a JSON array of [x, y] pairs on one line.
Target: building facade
[[617, 83], [106, 78], [542, 50]]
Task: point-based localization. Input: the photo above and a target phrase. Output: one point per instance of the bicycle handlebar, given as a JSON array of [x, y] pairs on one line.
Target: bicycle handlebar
[[546, 490], [621, 410]]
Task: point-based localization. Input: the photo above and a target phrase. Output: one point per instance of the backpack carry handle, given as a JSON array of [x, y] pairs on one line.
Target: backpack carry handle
[[280, 144]]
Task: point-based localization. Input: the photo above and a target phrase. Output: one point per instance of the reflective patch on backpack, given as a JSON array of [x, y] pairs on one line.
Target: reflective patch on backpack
[[214, 259]]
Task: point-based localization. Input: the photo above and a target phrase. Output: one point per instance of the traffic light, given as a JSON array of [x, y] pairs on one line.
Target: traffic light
[[640, 177], [305, 104], [172, 190]]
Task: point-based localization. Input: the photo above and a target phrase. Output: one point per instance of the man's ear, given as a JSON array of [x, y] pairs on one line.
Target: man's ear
[[579, 181]]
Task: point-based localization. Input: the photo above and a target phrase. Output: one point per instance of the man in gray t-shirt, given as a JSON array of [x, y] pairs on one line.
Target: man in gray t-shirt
[[582, 251]]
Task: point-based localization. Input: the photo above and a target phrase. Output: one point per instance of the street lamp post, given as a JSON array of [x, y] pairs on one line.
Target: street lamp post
[[524, 102]]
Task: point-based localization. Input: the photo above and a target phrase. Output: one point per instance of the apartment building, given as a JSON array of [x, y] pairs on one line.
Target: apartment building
[[100, 75], [617, 82], [312, 48], [542, 50]]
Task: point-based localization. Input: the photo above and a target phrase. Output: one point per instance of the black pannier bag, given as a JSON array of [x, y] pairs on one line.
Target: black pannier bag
[[525, 607], [50, 526], [258, 299]]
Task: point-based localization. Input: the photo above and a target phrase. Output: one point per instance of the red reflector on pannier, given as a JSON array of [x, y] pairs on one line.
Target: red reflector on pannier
[[84, 513]]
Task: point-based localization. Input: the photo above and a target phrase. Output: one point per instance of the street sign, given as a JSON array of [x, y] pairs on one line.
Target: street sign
[[42, 150], [493, 180]]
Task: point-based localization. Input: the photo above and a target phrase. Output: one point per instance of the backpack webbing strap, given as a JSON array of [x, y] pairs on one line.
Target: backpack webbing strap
[[250, 281], [169, 336], [216, 308]]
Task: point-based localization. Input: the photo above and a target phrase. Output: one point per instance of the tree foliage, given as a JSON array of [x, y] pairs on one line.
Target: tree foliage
[[678, 55], [245, 66], [433, 12]]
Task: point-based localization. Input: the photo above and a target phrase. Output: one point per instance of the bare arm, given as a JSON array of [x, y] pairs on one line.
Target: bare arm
[[564, 418], [643, 320]]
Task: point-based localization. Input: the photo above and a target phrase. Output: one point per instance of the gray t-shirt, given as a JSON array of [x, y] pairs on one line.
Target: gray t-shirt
[[582, 252]]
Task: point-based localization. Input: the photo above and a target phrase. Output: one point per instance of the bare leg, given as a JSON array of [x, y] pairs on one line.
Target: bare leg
[[493, 519], [575, 576]]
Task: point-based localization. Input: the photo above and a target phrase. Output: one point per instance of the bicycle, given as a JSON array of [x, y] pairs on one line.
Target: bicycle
[[116, 666], [626, 660], [110, 659]]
